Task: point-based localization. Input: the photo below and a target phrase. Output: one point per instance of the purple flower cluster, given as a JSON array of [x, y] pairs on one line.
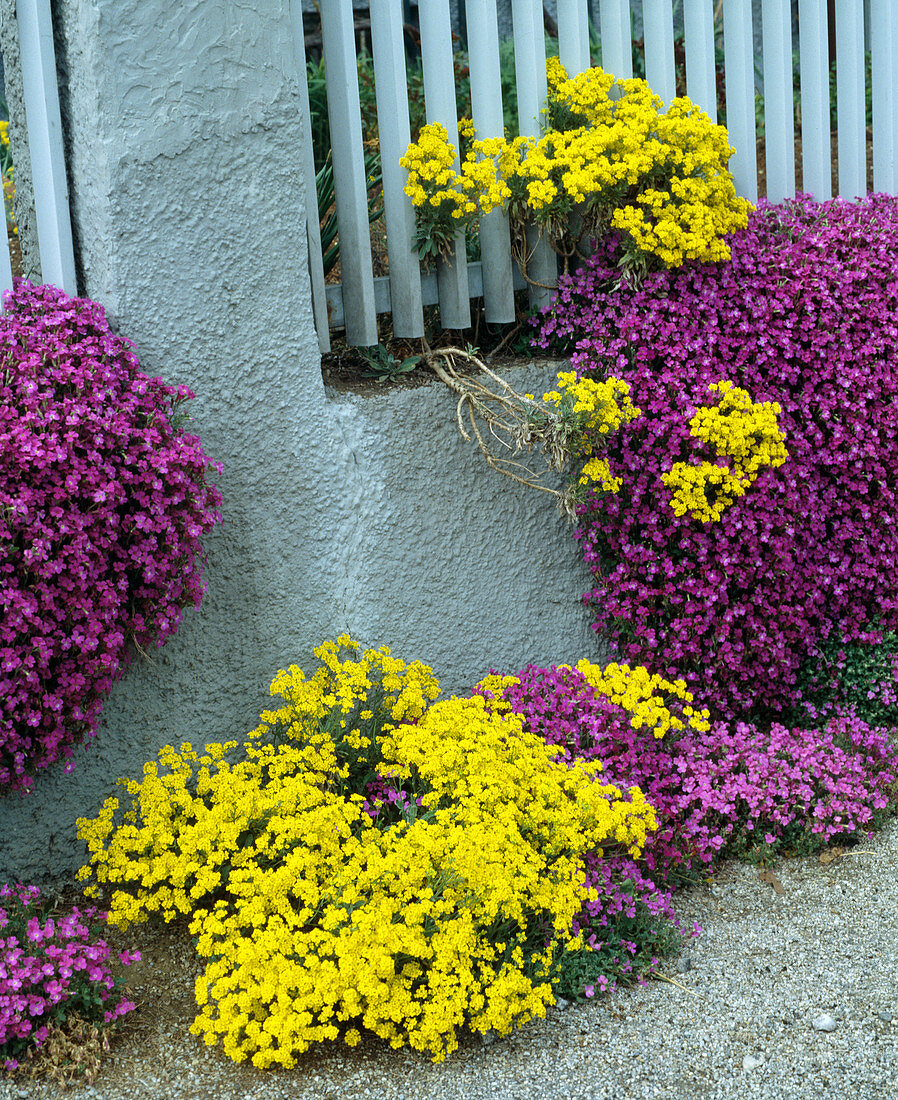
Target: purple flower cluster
[[804, 314], [103, 500], [387, 800], [714, 791], [48, 969]]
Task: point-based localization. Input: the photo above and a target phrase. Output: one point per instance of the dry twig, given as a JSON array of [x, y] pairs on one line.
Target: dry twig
[[515, 421]]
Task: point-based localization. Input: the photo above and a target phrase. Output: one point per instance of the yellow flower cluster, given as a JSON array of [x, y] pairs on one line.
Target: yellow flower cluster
[[645, 696], [328, 725], [597, 408], [446, 206], [8, 177], [314, 916], [596, 471], [744, 431], [660, 177], [603, 406]]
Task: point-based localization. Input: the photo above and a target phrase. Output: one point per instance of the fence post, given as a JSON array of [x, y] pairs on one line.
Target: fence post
[[850, 98], [701, 78], [439, 99], [486, 108], [350, 178], [779, 110], [739, 65], [617, 39], [5, 270], [51, 196], [391, 88], [530, 77], [884, 70], [313, 219], [816, 146], [659, 48], [573, 36]]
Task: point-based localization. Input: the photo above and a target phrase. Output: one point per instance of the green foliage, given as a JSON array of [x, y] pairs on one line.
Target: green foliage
[[857, 675], [578, 975], [382, 365]]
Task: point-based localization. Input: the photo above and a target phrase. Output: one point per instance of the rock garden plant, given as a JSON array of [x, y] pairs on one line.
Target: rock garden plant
[[58, 996], [104, 498], [754, 609], [376, 857]]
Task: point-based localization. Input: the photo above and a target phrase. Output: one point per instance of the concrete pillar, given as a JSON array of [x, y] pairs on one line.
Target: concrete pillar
[[183, 136]]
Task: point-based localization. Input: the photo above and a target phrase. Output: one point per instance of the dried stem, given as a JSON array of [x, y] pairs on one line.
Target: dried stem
[[508, 416]]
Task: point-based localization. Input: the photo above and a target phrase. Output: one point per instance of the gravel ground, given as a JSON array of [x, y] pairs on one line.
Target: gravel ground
[[790, 992]]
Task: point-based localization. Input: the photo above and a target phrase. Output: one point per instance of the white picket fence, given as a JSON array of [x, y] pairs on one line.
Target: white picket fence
[[355, 303], [51, 198]]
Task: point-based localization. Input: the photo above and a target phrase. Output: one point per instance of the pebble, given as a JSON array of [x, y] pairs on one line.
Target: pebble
[[825, 1023]]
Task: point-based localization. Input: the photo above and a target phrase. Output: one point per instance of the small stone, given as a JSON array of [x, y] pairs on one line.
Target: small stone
[[886, 1017], [684, 965], [752, 1061], [825, 1023], [560, 1002]]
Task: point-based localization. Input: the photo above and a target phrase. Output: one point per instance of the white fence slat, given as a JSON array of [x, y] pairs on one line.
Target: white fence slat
[[529, 64], [51, 198], [657, 17], [850, 98], [884, 68], [486, 108], [740, 95], [616, 37], [530, 80], [893, 121], [391, 89], [779, 110], [573, 36], [429, 291], [439, 100], [350, 179], [313, 227], [701, 77], [813, 52]]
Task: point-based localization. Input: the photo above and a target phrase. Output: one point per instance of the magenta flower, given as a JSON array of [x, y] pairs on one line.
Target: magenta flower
[[805, 314], [103, 500]]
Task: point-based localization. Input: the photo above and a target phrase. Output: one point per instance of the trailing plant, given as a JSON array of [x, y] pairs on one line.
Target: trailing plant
[[568, 422], [718, 789], [103, 501], [802, 317]]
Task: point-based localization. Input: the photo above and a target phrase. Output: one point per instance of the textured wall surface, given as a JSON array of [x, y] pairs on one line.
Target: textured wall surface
[[442, 558], [363, 512], [18, 139]]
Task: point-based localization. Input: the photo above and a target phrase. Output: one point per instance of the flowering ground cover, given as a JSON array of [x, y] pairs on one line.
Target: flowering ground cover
[[103, 501], [58, 995], [804, 315], [376, 857]]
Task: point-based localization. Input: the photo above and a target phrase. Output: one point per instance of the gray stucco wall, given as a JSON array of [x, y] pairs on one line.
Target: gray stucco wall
[[18, 139], [342, 511]]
